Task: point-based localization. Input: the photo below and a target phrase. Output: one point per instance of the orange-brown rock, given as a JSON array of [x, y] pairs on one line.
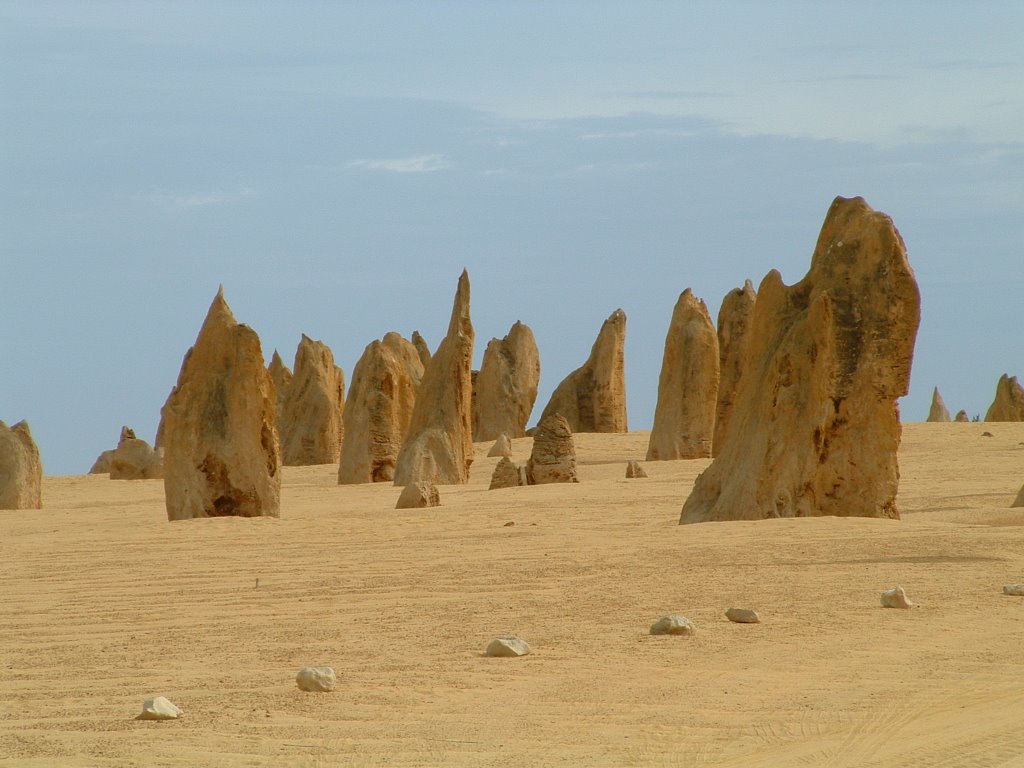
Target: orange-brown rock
[[1009, 401], [938, 410], [221, 451], [21, 471], [502, 447], [282, 376], [418, 495], [134, 459], [507, 474], [439, 444], [815, 426], [593, 397], [684, 419], [378, 410], [553, 458], [310, 427], [734, 318], [421, 348], [506, 388]]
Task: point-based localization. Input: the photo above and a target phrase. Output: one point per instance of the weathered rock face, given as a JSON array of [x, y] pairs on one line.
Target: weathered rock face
[[311, 428], [1009, 402], [553, 458], [378, 410], [439, 445], [421, 348], [221, 451], [502, 447], [134, 459], [815, 426], [507, 474], [593, 398], [684, 419], [961, 417], [634, 471], [938, 411], [21, 471], [1019, 501], [506, 389], [734, 318], [102, 464], [282, 376], [418, 495], [316, 679]]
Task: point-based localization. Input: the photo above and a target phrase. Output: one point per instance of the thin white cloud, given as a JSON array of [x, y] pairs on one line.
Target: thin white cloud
[[639, 133], [417, 164], [199, 199]]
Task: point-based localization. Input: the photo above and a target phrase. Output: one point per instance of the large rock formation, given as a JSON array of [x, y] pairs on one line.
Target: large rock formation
[[378, 410], [815, 427], [282, 376], [506, 388], [938, 411], [311, 428], [684, 419], [439, 445], [553, 458], [593, 398], [21, 471], [221, 452], [421, 348], [734, 318], [1009, 401], [134, 459]]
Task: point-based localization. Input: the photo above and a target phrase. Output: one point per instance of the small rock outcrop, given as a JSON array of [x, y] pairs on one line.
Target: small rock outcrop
[[506, 388], [221, 451], [673, 624], [553, 458], [1017, 590], [1019, 501], [502, 447], [634, 470], [419, 495], [310, 425], [316, 679], [507, 474], [439, 444], [21, 471], [378, 410], [815, 426], [1009, 401], [684, 419], [421, 348], [895, 598], [159, 708], [734, 318], [135, 459], [102, 464], [282, 376], [507, 646], [593, 397], [961, 417], [742, 616], [938, 411]]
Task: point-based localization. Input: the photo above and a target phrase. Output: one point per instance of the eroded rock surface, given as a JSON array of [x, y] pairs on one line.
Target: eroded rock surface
[[1009, 401], [419, 495], [506, 388], [507, 474], [21, 470], [938, 411], [734, 318], [815, 426], [553, 458], [310, 427]]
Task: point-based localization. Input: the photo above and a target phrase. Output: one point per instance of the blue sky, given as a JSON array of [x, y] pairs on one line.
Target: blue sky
[[336, 165]]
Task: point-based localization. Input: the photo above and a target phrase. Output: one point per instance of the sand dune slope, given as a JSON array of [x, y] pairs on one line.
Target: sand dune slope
[[104, 603]]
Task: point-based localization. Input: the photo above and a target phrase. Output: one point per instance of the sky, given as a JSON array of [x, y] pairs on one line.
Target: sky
[[337, 165]]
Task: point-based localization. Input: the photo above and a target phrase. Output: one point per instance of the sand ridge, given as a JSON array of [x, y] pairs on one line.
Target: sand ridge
[[104, 603]]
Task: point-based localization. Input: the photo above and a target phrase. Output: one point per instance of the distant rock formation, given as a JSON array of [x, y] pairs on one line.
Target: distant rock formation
[[734, 318], [938, 411], [439, 445], [378, 410], [634, 471], [311, 428], [507, 474], [221, 451], [815, 425], [961, 417], [506, 389], [134, 459], [593, 397], [553, 459], [102, 464], [502, 447], [418, 495], [684, 419], [1009, 402], [421, 348], [282, 376], [21, 471]]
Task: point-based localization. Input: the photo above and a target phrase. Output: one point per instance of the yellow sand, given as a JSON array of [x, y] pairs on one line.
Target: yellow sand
[[104, 603]]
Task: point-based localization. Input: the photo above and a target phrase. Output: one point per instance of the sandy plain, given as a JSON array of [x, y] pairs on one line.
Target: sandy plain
[[104, 603]]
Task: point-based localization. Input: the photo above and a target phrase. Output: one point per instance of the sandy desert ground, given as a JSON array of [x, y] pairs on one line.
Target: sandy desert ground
[[104, 603]]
